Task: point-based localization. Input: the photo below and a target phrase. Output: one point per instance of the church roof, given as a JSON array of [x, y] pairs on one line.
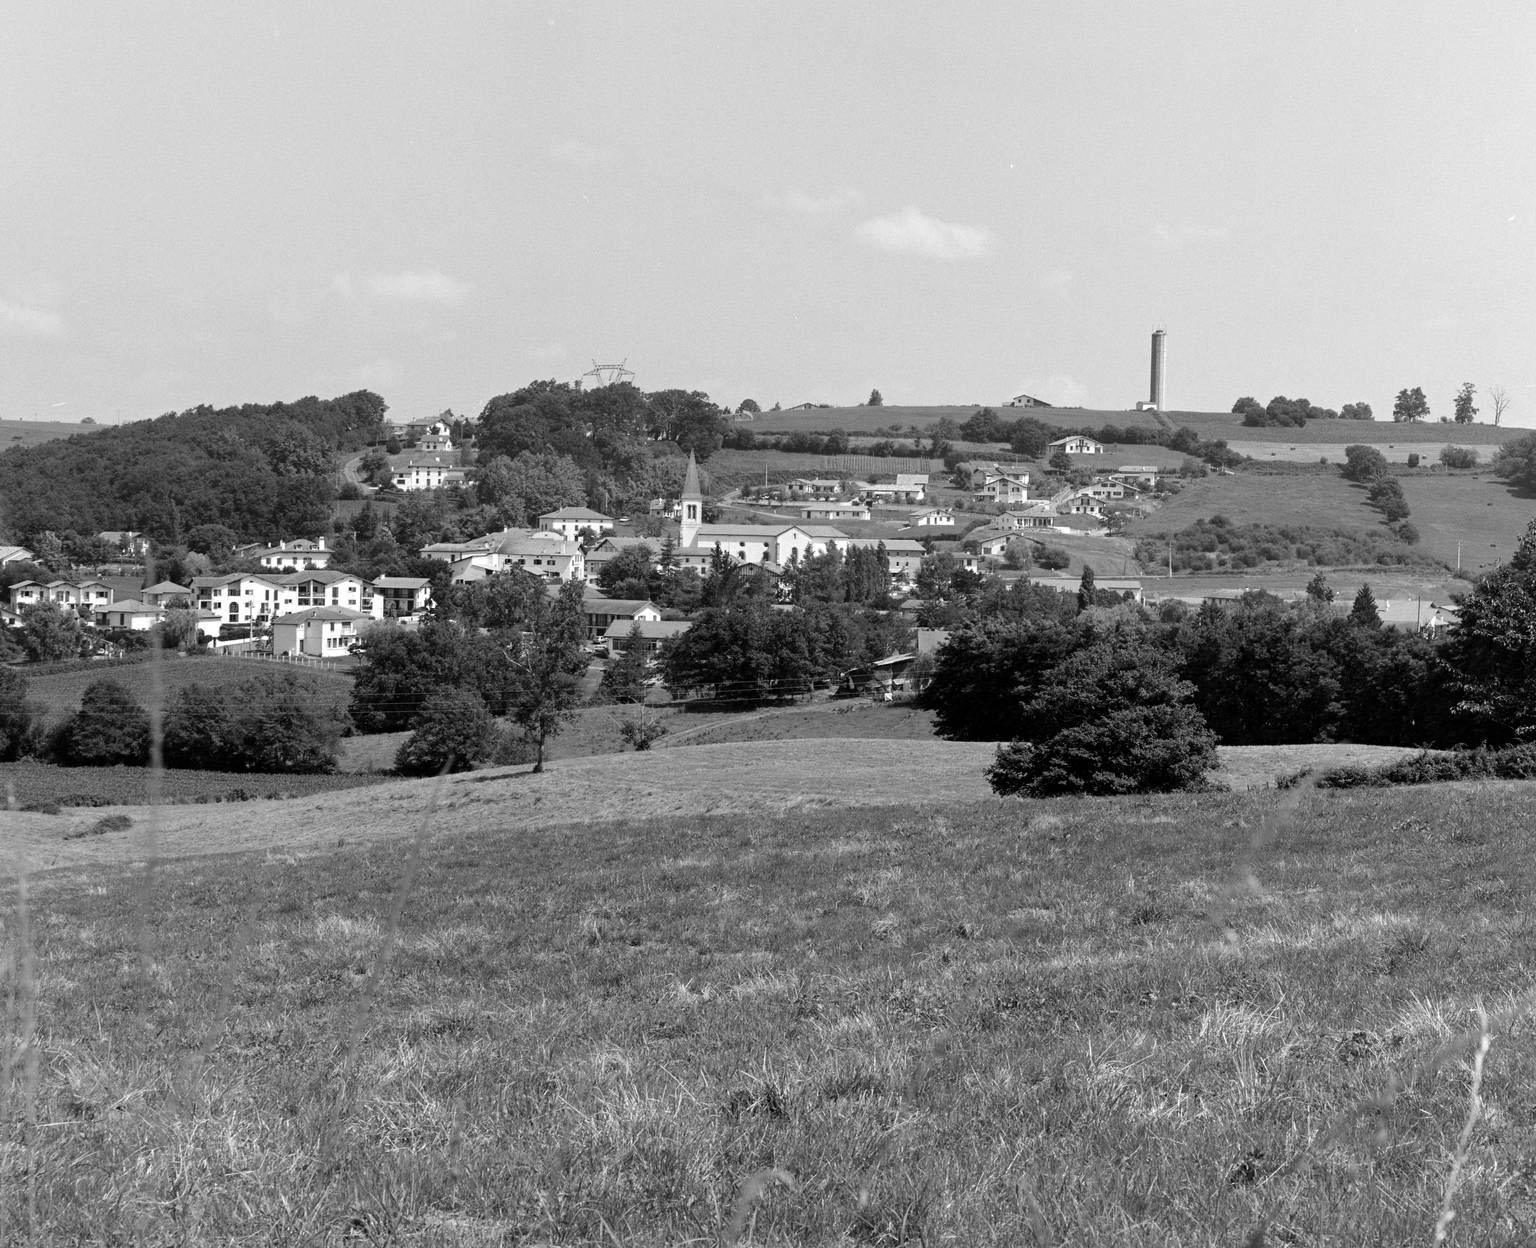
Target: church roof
[[691, 481]]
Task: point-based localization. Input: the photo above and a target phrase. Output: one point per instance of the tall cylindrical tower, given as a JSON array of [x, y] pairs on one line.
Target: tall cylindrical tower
[[1159, 359]]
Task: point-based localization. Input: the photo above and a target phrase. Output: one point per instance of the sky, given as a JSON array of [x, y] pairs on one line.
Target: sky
[[792, 201]]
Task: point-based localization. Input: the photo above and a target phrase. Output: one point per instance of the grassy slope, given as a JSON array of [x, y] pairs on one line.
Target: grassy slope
[[24, 433], [868, 419], [1158, 1021], [1473, 508], [60, 693]]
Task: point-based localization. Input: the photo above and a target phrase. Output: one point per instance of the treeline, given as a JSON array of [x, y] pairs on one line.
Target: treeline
[[263, 470], [280, 721], [1294, 413]]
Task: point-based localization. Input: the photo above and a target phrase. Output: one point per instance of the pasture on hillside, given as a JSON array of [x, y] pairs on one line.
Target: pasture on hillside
[[1422, 436], [1199, 1020], [59, 692], [865, 420], [25, 433]]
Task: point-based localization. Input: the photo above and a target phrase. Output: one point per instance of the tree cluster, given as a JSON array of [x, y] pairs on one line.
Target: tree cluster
[[265, 471], [1218, 544]]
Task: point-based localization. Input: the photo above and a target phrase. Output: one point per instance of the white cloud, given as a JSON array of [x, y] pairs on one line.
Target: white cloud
[[833, 203], [1171, 237], [1062, 389], [379, 374], [29, 322], [1058, 282], [416, 286], [910, 232], [582, 155]]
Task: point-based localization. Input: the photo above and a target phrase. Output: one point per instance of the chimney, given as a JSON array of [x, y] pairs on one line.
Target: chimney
[[1159, 359]]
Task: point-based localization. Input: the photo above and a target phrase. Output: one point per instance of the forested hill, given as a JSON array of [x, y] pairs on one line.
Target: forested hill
[[263, 470]]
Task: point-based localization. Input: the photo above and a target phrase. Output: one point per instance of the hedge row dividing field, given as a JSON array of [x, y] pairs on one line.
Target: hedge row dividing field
[[1207, 1021], [29, 785]]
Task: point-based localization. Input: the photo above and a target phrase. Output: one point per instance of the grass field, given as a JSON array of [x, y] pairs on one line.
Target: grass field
[[868, 419], [1203, 1021], [60, 692], [32, 784], [1472, 508], [24, 433], [1379, 433]]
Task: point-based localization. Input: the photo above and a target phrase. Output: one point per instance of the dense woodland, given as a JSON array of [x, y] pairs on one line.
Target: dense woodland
[[264, 471]]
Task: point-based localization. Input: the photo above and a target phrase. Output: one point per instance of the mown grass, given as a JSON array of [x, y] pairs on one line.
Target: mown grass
[[1164, 1021], [24, 433]]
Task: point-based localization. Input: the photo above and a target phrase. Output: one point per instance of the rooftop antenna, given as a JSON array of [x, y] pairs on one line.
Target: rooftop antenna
[[610, 374]]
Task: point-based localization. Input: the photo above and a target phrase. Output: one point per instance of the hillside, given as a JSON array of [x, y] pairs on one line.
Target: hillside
[[1182, 1020], [20, 434], [263, 471], [1472, 509]]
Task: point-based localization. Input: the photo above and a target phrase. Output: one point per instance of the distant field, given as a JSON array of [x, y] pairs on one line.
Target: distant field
[[1320, 498], [31, 784], [1474, 509], [868, 419], [24, 433], [1380, 433], [60, 693], [731, 469]]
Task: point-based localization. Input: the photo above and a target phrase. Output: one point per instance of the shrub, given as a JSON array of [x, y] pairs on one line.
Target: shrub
[[643, 729], [1053, 558], [453, 732], [108, 730], [1458, 457], [1111, 718]]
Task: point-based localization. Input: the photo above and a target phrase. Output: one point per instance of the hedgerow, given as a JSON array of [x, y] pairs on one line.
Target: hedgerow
[[1218, 544]]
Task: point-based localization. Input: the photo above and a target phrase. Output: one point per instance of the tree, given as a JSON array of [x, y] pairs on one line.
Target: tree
[[1060, 461], [748, 405], [453, 732], [1356, 411], [1364, 464], [1458, 457], [1085, 590], [1318, 588], [1363, 614], [374, 467], [1114, 717], [18, 717], [1466, 410], [1489, 647], [642, 728], [110, 729], [876, 399], [1516, 462], [1411, 405], [624, 680], [1250, 409], [286, 721], [49, 633], [1501, 402], [199, 729], [984, 671], [546, 664]]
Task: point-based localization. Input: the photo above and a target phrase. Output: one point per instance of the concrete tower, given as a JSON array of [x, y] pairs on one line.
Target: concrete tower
[[692, 504], [1159, 361]]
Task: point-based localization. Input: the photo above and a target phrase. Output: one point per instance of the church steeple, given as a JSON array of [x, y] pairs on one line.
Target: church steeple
[[693, 504]]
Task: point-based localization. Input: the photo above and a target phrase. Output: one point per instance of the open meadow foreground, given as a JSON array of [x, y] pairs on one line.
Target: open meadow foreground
[[564, 1009]]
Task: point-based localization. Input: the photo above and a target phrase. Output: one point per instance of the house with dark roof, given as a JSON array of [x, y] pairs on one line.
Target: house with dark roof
[[320, 632]]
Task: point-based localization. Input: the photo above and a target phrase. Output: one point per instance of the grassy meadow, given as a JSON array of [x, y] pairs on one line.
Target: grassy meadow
[[59, 692], [1263, 1018], [25, 433]]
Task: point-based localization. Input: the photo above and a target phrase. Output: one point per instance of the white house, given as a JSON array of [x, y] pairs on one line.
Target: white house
[[1027, 400], [323, 588], [125, 541], [651, 634], [163, 593], [548, 555], [1003, 489], [237, 597], [294, 555], [84, 598], [15, 554], [419, 470], [834, 511], [568, 522], [1035, 516], [933, 518], [322, 632], [400, 596], [1076, 444], [129, 614], [601, 612]]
